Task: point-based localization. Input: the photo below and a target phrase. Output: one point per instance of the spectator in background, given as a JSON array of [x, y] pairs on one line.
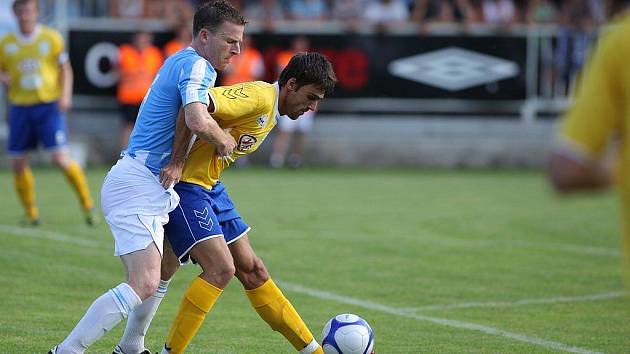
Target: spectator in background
[[349, 12], [182, 39], [35, 66], [316, 10], [578, 26], [386, 12], [176, 12], [266, 12], [442, 11], [138, 62], [499, 13], [541, 12], [291, 132], [127, 8]]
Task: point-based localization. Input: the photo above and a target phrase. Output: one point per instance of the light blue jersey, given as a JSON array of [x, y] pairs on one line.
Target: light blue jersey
[[183, 78]]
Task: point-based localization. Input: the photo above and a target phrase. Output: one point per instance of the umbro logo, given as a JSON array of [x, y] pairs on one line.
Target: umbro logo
[[453, 68], [234, 93]]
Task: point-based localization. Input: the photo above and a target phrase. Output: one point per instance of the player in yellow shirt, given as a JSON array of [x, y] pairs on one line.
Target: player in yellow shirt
[[206, 225], [600, 114], [36, 69]]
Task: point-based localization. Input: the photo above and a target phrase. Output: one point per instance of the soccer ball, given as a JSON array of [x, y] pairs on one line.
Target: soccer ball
[[347, 334]]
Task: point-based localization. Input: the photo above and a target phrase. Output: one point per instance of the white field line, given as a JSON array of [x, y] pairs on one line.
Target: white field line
[[441, 321], [549, 300], [37, 232]]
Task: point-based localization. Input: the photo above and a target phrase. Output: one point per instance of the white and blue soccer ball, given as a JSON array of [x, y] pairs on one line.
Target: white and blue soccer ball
[[347, 334]]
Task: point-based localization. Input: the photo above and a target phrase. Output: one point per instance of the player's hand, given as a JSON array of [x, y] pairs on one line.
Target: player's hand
[[171, 173], [227, 146], [65, 103], [5, 78]]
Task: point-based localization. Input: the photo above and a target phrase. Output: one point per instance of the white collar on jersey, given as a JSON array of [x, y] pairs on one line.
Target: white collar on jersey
[[276, 114], [30, 38]]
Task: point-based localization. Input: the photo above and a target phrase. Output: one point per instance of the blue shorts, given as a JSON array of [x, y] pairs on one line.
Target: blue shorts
[[202, 214], [40, 124]]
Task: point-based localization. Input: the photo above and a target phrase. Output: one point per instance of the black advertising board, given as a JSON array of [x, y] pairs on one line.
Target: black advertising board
[[368, 66]]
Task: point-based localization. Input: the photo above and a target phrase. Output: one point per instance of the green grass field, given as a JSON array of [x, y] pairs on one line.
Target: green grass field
[[435, 261]]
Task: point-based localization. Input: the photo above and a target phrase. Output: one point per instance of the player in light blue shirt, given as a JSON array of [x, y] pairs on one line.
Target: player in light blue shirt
[[134, 200]]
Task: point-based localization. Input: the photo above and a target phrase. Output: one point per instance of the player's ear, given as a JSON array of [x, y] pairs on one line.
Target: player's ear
[[291, 84]]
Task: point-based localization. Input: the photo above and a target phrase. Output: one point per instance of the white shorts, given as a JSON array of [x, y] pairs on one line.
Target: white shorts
[[136, 206], [303, 124]]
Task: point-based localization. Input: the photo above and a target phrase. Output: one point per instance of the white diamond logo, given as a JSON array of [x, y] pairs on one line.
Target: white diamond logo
[[453, 68]]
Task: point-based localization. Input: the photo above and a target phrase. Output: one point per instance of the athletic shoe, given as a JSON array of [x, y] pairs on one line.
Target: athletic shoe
[[28, 222], [117, 350], [53, 350], [92, 218]]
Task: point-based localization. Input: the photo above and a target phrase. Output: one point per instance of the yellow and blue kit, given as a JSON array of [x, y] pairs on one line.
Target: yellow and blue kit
[[32, 63], [249, 111]]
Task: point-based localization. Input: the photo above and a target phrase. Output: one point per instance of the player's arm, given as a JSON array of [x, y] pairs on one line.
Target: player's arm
[[172, 172], [67, 79], [582, 158], [568, 174], [206, 128]]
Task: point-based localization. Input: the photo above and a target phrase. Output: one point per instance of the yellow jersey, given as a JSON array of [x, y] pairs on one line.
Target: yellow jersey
[[250, 111], [602, 108], [33, 65]]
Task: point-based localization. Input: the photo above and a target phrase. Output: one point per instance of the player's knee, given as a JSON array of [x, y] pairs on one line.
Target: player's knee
[[146, 287], [254, 275], [219, 275]]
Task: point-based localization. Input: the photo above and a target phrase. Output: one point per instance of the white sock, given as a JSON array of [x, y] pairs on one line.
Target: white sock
[[139, 320], [104, 313]]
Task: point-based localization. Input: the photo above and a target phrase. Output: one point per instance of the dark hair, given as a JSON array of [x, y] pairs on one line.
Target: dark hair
[[211, 15], [18, 3], [310, 68]]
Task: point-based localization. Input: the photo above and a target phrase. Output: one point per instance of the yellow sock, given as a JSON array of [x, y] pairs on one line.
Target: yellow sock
[[197, 302], [77, 179], [278, 312], [25, 188]]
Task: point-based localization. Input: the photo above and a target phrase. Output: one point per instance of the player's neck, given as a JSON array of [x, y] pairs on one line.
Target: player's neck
[[27, 30]]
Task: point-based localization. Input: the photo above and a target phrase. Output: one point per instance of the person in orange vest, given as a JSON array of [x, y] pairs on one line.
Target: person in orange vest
[[182, 39], [138, 62], [289, 129], [249, 66]]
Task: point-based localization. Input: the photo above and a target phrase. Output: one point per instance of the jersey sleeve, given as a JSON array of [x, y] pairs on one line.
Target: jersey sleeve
[[233, 102], [196, 77], [599, 103], [58, 47]]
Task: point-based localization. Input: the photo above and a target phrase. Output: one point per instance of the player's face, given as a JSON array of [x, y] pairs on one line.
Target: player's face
[[220, 46], [301, 100], [27, 16]]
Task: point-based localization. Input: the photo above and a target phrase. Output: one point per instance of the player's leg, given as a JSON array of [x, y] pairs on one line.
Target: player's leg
[[143, 274], [51, 131], [214, 258], [132, 341], [24, 183], [268, 300], [194, 231], [21, 139]]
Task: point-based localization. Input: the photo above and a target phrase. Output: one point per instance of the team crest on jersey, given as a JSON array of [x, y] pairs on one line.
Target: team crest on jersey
[[246, 142], [262, 120]]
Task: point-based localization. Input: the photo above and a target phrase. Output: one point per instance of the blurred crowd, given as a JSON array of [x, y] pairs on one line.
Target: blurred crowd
[[501, 13]]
